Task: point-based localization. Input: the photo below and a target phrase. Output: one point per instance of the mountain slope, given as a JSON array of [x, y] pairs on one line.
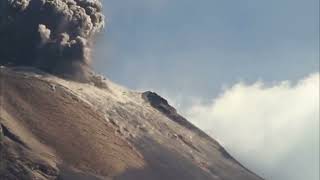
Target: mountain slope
[[57, 129]]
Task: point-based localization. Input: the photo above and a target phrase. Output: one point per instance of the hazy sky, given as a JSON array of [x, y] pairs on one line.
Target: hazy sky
[[194, 47], [204, 55]]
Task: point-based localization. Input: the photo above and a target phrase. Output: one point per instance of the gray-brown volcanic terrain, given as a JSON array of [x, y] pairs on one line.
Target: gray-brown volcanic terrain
[[57, 129]]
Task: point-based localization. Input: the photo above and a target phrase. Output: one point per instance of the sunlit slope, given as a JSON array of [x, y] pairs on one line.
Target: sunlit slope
[[57, 129]]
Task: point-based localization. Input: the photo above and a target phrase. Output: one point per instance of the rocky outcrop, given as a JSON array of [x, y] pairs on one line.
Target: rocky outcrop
[[164, 107]]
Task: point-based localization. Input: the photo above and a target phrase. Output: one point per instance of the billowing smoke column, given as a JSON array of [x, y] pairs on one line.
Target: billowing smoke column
[[52, 35]]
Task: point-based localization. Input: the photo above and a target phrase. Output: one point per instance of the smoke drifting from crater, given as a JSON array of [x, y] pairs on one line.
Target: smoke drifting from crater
[[53, 35]]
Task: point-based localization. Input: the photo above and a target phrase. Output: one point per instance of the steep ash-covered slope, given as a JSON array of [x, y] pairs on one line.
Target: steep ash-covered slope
[[53, 128]]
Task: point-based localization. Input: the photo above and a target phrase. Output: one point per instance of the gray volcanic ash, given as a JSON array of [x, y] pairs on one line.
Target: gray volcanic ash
[[55, 129], [55, 36]]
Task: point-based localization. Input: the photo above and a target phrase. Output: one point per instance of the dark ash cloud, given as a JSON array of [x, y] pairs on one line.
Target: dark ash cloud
[[53, 35]]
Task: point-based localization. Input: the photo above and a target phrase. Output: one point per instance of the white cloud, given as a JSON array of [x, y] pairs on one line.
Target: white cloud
[[273, 130]]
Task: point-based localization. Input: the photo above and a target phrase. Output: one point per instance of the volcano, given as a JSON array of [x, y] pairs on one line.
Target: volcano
[[52, 128]]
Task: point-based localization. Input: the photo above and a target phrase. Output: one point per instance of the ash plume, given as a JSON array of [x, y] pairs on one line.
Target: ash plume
[[55, 36]]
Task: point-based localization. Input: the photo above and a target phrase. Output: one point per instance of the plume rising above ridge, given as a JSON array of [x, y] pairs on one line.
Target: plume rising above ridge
[[53, 35]]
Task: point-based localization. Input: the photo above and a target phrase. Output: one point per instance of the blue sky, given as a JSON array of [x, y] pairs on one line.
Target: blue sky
[[232, 67], [194, 48]]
